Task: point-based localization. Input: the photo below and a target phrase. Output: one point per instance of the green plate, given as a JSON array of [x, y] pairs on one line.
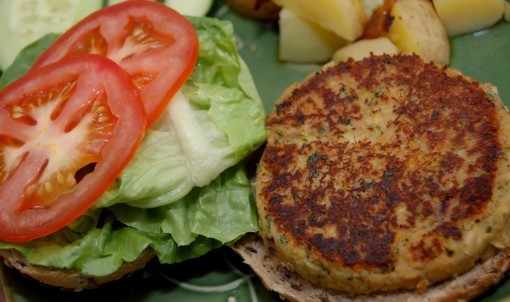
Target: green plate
[[221, 275]]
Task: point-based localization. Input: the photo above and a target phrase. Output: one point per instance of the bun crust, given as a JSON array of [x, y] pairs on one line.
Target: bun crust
[[71, 279], [291, 287]]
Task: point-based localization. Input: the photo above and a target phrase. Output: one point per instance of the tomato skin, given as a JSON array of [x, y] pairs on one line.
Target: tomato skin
[[101, 94], [156, 45]]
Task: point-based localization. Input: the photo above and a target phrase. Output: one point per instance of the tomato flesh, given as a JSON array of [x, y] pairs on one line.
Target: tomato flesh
[[66, 131], [156, 45]]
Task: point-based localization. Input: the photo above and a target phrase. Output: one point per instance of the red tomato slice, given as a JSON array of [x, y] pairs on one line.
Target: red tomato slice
[[66, 132], [156, 45]]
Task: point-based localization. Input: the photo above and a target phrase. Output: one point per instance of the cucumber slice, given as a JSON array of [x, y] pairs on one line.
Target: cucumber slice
[[190, 7], [112, 2], [24, 21], [197, 8]]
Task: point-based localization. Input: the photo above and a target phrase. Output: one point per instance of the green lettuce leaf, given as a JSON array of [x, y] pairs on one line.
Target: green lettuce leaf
[[215, 122], [203, 207], [206, 219], [99, 252], [222, 210]]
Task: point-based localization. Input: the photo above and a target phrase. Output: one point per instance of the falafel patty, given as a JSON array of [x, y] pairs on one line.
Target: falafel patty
[[385, 174]]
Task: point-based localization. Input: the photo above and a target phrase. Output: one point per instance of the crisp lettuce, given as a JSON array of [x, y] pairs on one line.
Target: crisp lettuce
[[222, 210], [179, 197], [215, 122], [205, 219], [99, 252]]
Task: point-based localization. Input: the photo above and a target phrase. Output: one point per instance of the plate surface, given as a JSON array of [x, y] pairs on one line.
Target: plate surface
[[221, 275]]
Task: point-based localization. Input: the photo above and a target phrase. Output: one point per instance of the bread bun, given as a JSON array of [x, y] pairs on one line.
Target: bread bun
[[292, 287], [71, 279], [264, 10]]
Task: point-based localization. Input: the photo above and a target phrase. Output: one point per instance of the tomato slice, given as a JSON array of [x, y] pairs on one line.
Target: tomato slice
[[66, 132], [156, 45]]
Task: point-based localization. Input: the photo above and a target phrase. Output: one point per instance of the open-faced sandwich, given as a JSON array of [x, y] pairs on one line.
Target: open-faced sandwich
[[385, 179], [123, 142]]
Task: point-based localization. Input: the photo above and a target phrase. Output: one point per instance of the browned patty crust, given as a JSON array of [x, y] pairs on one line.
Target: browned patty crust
[[380, 168]]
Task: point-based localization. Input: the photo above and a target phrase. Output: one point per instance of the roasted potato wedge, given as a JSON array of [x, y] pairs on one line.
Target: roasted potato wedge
[[416, 28], [465, 16], [303, 41], [346, 18], [363, 48]]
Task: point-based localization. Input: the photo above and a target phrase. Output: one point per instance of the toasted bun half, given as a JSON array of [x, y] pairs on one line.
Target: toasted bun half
[[292, 287], [71, 279]]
